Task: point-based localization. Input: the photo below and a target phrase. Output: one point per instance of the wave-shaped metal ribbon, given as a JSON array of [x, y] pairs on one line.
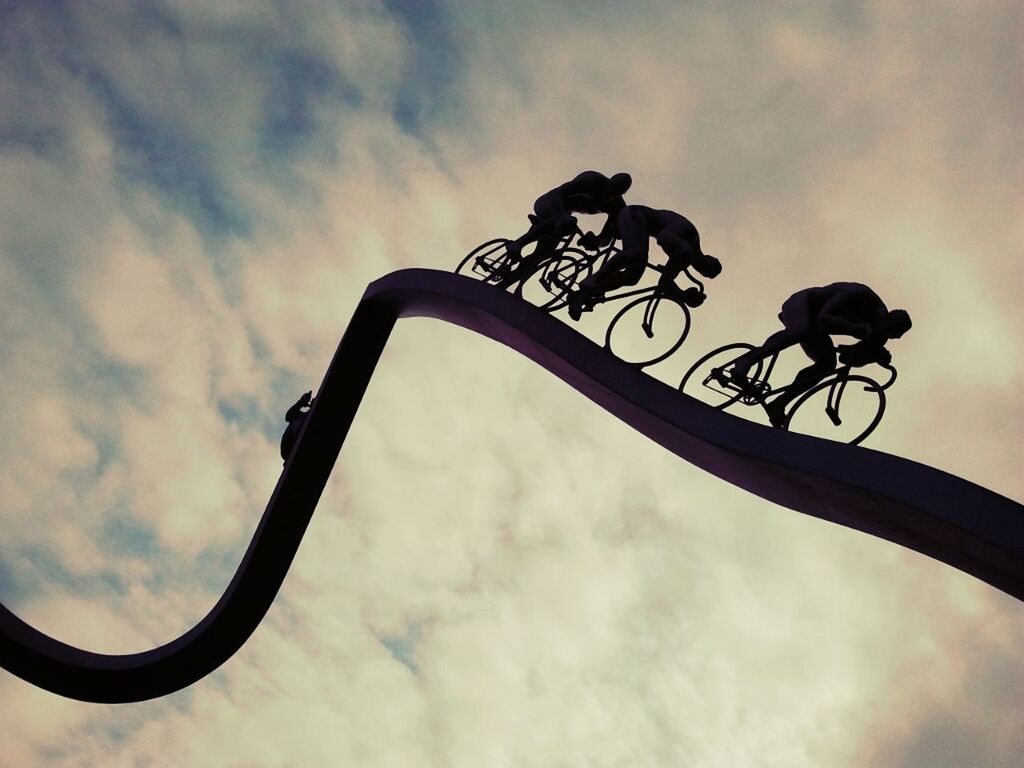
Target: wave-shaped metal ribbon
[[927, 510]]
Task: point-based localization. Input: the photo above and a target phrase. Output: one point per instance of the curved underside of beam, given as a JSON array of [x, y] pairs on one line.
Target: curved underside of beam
[[927, 510]]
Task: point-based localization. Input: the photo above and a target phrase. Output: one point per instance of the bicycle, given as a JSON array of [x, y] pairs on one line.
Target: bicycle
[[710, 378], [491, 263], [648, 329]]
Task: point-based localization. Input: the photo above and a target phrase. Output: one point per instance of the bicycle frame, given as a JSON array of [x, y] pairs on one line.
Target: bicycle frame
[[761, 389], [657, 291], [495, 260]]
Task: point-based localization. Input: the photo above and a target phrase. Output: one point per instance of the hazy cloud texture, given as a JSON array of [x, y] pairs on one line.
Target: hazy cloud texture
[[196, 195]]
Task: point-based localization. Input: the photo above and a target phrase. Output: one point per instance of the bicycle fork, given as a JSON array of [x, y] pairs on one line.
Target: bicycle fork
[[835, 395], [648, 321]]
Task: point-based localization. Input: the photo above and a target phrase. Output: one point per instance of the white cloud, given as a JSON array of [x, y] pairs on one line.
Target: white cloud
[[581, 596]]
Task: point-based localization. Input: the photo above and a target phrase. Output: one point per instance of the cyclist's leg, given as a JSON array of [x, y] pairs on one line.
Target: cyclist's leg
[[524, 265], [775, 343], [822, 352], [626, 267], [515, 247], [543, 214], [796, 319]]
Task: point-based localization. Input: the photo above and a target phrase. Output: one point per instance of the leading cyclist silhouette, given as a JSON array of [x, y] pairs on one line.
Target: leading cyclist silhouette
[[636, 224], [552, 219], [811, 317]]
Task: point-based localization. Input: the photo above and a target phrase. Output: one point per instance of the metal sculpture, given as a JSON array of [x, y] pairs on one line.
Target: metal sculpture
[[924, 509]]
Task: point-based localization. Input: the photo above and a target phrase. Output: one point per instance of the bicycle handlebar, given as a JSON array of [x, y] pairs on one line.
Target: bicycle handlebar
[[694, 279], [889, 383]]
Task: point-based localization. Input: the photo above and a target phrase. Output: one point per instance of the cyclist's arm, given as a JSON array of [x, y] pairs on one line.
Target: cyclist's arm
[[554, 203], [864, 353], [610, 231]]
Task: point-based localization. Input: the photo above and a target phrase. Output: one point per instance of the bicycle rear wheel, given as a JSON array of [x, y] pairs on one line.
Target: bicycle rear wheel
[[860, 409], [486, 262], [700, 381], [549, 284], [648, 330]]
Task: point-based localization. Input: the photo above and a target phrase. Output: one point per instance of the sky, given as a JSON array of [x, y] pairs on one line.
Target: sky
[[195, 195]]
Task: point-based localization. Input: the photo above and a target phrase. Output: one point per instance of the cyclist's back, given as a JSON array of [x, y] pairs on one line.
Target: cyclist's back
[[592, 192], [854, 302]]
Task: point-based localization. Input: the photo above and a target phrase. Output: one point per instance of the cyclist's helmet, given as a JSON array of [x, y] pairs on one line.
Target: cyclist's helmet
[[620, 183], [896, 323], [707, 265]]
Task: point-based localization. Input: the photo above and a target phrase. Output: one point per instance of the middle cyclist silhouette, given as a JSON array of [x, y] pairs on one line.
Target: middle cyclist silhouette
[[636, 224], [810, 317], [552, 219]]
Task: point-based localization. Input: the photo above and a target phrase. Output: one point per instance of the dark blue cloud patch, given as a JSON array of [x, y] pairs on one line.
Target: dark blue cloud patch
[[43, 141], [125, 536], [427, 88], [175, 161], [403, 647], [38, 570], [214, 567], [12, 588], [27, 120], [304, 93]]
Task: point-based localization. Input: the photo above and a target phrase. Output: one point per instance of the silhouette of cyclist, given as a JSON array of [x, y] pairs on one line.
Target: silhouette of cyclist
[[552, 219], [295, 416], [810, 317], [636, 224]]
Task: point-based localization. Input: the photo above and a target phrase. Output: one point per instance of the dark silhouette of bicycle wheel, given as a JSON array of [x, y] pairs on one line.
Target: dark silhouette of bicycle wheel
[[700, 383], [485, 262], [648, 330], [861, 406], [549, 284]]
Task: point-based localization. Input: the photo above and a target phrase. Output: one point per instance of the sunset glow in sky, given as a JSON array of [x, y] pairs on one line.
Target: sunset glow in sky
[[196, 194]]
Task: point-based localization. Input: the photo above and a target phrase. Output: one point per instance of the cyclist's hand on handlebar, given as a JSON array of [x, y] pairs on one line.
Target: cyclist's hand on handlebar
[[851, 354], [590, 242], [864, 354]]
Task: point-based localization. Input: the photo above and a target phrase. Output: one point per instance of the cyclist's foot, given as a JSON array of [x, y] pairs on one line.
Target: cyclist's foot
[[514, 251], [737, 375], [576, 305], [776, 413], [723, 378], [579, 302], [510, 271]]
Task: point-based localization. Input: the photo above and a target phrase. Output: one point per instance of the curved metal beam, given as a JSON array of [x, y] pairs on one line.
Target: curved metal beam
[[924, 509]]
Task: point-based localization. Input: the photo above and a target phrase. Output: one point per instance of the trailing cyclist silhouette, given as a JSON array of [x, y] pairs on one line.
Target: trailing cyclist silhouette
[[636, 224], [296, 417], [811, 317], [552, 219]]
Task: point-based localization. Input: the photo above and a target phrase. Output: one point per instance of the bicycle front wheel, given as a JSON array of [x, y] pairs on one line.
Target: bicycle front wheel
[[703, 380], [549, 284], [846, 416], [648, 330], [486, 262]]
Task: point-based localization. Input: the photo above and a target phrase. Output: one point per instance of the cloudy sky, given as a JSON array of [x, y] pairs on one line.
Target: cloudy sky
[[196, 194]]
